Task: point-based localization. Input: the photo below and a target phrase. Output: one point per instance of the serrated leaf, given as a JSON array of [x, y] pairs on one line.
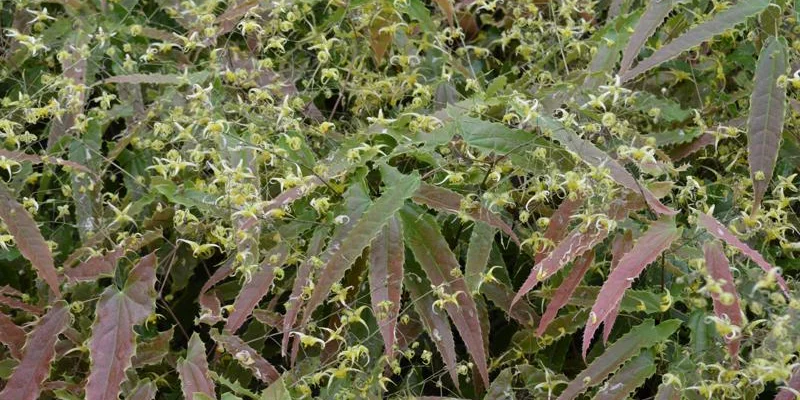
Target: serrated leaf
[[579, 268], [386, 259], [480, 247], [256, 287], [720, 271], [193, 371], [247, 356], [559, 225], [658, 238], [717, 25], [111, 345], [276, 391], [96, 266], [621, 246], [628, 378], [439, 263], [670, 110], [595, 157], [12, 336], [641, 336], [144, 390], [502, 388], [653, 16], [766, 119], [341, 255], [719, 231], [28, 238], [25, 382], [446, 200]]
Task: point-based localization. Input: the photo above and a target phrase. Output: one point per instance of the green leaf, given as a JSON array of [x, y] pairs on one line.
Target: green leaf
[[276, 391], [628, 378], [480, 247], [653, 16]]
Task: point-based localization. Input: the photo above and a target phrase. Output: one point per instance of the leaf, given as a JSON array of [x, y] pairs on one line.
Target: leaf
[[671, 111], [767, 112], [642, 336], [341, 255], [276, 391], [480, 247], [717, 25], [439, 263], [386, 259], [96, 266], [435, 323], [685, 150], [193, 371], [255, 288], [792, 387], [111, 345], [559, 224], [658, 238], [621, 246], [720, 271], [144, 390], [247, 356], [564, 291], [716, 229], [451, 202], [595, 157], [25, 382], [653, 16], [628, 378], [12, 336], [502, 387], [153, 351], [668, 391], [379, 41], [28, 238]]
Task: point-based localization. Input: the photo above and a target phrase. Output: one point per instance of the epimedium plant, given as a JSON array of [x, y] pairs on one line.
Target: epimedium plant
[[392, 199]]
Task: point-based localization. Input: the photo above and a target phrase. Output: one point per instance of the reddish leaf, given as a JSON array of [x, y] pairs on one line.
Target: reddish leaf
[[256, 288], [790, 392], [716, 229], [247, 356], [154, 350], [502, 295], [621, 246], [685, 150], [562, 295], [379, 41], [12, 336], [720, 271], [386, 259], [112, 343], [20, 305], [25, 382], [448, 201], [209, 303], [437, 260], [28, 238], [657, 239], [480, 247], [767, 115], [96, 267], [559, 224], [193, 370], [648, 23]]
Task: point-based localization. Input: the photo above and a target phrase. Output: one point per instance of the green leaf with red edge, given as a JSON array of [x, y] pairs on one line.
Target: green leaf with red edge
[[386, 259], [12, 336], [564, 292], [719, 231], [112, 343], [658, 238], [247, 356], [25, 382], [767, 115], [433, 254], [718, 24], [28, 238], [728, 309], [193, 370], [256, 287], [642, 336], [451, 202]]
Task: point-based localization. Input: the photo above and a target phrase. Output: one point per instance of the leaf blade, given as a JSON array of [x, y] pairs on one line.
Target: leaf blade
[[386, 259], [193, 370]]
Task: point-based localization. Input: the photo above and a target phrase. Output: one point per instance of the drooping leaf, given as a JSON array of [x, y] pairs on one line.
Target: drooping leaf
[[440, 264], [719, 231], [25, 382], [193, 371], [448, 201], [209, 303], [12, 336], [341, 255], [247, 356], [595, 157], [767, 114], [653, 16], [386, 259], [256, 287], [658, 238], [28, 238], [579, 268], [628, 378], [480, 247], [642, 336], [718, 24], [559, 224], [726, 302], [621, 246], [112, 343]]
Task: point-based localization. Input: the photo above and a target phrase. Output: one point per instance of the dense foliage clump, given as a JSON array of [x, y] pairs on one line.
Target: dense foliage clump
[[360, 199]]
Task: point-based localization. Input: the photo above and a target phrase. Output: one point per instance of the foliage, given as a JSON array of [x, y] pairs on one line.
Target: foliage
[[346, 199]]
